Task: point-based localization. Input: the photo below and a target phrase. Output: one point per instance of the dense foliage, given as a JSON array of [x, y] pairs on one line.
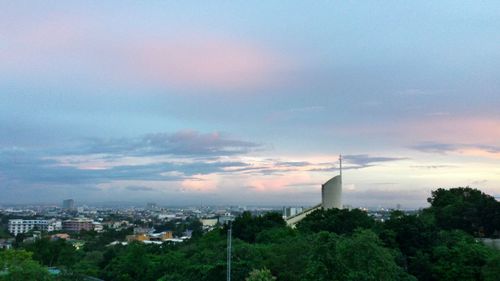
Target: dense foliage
[[435, 244], [467, 209]]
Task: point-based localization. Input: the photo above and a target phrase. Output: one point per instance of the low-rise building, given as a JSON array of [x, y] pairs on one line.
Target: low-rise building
[[157, 237], [98, 227], [17, 226], [227, 217], [54, 225], [6, 244], [78, 224]]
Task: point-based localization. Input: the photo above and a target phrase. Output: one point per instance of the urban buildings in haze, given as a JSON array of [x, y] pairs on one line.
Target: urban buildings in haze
[[68, 204]]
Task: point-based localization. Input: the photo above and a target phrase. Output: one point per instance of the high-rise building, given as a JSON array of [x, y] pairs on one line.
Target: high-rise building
[[68, 204]]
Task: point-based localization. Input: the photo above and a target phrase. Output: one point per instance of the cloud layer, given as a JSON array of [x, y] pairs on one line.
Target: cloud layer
[[95, 99]]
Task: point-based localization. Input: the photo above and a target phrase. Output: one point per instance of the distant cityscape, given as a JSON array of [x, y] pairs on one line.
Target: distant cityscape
[[72, 217]]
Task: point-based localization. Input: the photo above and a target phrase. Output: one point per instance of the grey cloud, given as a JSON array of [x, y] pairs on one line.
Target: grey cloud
[[183, 143], [31, 167], [27, 166], [433, 147], [364, 160], [138, 188], [358, 161], [293, 163], [490, 148], [432, 166], [443, 148], [335, 168]]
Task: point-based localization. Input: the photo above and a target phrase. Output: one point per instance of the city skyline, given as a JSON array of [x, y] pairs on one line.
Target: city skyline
[[247, 103]]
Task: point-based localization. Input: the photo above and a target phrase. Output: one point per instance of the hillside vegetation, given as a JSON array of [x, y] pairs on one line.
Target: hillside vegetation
[[438, 243]]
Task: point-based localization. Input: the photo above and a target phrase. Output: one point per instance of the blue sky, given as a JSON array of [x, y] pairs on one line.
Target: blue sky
[[233, 102]]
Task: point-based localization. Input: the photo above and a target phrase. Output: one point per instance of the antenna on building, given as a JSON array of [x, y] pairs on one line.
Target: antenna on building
[[340, 164]]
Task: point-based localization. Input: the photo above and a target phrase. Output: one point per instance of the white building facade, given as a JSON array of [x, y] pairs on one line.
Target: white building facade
[[17, 226]]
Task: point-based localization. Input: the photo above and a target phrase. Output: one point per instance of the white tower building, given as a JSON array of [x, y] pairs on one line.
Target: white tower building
[[331, 197], [331, 191]]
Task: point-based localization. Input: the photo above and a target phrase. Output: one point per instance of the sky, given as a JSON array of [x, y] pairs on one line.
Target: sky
[[247, 102]]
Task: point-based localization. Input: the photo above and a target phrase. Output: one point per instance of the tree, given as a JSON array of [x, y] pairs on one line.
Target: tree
[[335, 220], [53, 253], [260, 275], [246, 227], [467, 209], [17, 265], [459, 257], [89, 264], [411, 232], [491, 271], [131, 264], [364, 258], [323, 260]]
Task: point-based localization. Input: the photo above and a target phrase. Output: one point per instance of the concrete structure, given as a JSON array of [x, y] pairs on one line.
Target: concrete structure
[[97, 226], [293, 220], [68, 204], [331, 197], [227, 217], [6, 244], [54, 225], [156, 237], [17, 226], [209, 222], [331, 193], [291, 211], [79, 224], [492, 243]]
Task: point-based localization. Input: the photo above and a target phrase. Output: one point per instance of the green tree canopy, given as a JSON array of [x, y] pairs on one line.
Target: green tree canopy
[[246, 227], [467, 209], [17, 265], [260, 275], [334, 220]]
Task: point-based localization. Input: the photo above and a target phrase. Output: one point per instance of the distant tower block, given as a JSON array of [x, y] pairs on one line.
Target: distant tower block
[[331, 191]]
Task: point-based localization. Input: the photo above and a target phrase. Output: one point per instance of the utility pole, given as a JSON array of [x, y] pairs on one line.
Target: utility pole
[[229, 241]]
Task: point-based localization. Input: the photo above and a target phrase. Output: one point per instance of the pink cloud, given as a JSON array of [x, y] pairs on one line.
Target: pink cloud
[[278, 182], [480, 152], [200, 183], [457, 129], [205, 61], [446, 129], [179, 59]]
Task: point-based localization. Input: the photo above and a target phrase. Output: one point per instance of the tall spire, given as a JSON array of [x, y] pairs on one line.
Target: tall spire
[[340, 164]]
